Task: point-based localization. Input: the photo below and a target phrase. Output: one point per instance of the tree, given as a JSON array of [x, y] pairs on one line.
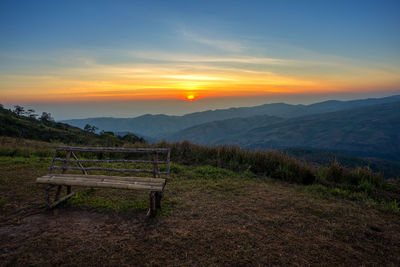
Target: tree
[[18, 110], [31, 113], [89, 128], [46, 117], [132, 138], [1, 106], [109, 139]]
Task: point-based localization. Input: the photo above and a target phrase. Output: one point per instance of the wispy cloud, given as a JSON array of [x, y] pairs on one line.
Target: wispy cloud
[[122, 74], [178, 57], [224, 45]]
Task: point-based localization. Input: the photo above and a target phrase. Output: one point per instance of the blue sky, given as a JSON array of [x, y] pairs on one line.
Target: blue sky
[[220, 51]]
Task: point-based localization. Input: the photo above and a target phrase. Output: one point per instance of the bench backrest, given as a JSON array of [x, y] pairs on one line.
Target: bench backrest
[[154, 153]]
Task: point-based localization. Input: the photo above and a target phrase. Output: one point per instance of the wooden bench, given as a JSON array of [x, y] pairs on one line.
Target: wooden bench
[[154, 185]]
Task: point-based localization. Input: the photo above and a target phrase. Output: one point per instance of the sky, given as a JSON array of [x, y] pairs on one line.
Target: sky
[[80, 59]]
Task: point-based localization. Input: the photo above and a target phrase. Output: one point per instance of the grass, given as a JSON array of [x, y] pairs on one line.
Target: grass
[[210, 216], [91, 200]]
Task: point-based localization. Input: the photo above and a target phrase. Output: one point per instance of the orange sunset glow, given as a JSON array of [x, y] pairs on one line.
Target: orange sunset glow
[[197, 62], [135, 82]]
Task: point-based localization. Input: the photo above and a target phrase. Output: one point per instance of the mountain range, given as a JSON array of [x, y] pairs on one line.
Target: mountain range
[[372, 131], [159, 126], [368, 127]]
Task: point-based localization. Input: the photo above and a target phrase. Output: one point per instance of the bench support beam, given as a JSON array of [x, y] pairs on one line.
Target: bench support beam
[[56, 199], [61, 200]]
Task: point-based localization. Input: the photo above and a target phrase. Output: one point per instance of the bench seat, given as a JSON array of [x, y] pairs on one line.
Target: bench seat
[[118, 182]]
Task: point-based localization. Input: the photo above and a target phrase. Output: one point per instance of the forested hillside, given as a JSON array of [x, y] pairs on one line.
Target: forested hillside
[[25, 124], [367, 131]]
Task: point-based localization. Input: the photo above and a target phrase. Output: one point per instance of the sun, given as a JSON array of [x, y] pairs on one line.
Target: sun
[[190, 97]]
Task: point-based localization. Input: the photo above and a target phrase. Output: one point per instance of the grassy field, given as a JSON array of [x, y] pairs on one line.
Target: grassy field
[[210, 216]]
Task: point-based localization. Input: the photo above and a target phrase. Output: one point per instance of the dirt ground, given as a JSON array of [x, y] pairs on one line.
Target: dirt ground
[[205, 222]]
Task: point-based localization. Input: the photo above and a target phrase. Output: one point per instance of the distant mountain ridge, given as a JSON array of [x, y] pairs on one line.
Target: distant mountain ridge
[[369, 131], [216, 132], [159, 126]]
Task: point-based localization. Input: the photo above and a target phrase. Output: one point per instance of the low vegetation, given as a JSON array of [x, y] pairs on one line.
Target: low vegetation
[[277, 165], [388, 169]]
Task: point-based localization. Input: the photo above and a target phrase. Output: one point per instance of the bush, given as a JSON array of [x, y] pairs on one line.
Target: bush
[[270, 163]]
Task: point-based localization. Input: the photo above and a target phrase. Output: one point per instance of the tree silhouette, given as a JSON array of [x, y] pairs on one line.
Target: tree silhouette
[[46, 117], [19, 110]]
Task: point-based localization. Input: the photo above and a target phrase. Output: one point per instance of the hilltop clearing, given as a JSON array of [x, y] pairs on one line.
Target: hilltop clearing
[[210, 216]]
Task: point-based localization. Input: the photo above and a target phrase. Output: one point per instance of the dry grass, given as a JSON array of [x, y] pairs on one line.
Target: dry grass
[[210, 216]]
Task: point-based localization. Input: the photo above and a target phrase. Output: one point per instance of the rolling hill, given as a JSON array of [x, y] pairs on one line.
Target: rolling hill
[[159, 126], [216, 132], [369, 131], [19, 126]]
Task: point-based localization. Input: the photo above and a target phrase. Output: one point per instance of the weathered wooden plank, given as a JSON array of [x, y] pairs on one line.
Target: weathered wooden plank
[[104, 184], [111, 149], [68, 180], [126, 178], [54, 179], [107, 184], [111, 161], [106, 169]]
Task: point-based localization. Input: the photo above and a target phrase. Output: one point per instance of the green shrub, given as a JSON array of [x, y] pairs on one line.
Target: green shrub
[[209, 172], [266, 163], [367, 187]]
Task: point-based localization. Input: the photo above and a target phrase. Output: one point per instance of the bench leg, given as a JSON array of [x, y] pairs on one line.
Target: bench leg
[[152, 209], [58, 193], [155, 203], [158, 196], [47, 193]]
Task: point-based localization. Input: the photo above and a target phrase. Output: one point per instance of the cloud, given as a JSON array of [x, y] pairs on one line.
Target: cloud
[[230, 46], [193, 58]]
